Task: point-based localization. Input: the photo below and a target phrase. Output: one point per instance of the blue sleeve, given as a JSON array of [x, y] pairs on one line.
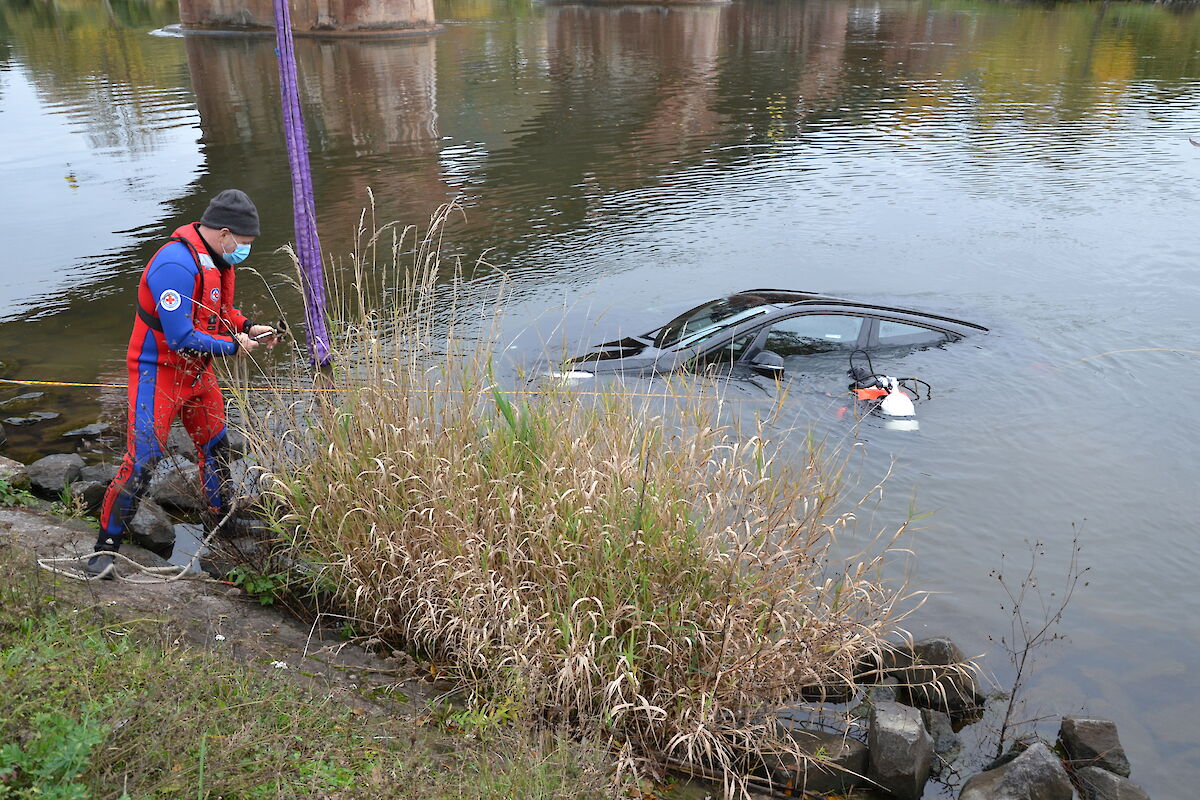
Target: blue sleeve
[[171, 284]]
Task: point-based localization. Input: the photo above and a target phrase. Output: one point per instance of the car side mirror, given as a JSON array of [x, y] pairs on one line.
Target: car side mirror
[[768, 364]]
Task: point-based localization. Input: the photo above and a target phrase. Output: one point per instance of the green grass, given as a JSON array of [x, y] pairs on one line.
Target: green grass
[[96, 707], [15, 496]]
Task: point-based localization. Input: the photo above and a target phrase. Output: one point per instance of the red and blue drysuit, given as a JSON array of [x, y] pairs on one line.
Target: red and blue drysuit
[[185, 318]]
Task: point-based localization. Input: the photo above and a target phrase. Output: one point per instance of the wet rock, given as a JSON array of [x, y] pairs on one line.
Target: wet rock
[[22, 400], [1093, 743], [884, 691], [13, 473], [175, 483], [245, 477], [1015, 749], [32, 418], [101, 473], [225, 554], [152, 528], [930, 672], [90, 493], [901, 750], [3, 436], [1100, 784], [93, 431], [1035, 774], [180, 443], [836, 762], [237, 442], [813, 694], [50, 475], [945, 740]]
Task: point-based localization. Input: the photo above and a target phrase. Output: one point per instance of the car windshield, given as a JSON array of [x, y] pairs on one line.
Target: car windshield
[[704, 333], [709, 318]]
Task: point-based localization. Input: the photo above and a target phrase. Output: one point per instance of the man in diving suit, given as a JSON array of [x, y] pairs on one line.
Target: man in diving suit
[[185, 318]]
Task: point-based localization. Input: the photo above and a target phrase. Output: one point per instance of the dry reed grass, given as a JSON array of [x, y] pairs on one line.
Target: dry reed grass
[[643, 571]]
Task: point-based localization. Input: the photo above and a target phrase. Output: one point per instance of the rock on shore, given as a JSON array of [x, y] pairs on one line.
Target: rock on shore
[[175, 483], [1093, 743], [50, 475], [1099, 784], [901, 750], [836, 762], [14, 473], [152, 528], [1035, 774]]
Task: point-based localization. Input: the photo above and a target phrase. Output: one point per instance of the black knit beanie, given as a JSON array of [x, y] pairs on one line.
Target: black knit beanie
[[232, 209]]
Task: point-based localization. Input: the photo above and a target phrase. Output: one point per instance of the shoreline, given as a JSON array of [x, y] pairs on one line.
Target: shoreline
[[908, 742]]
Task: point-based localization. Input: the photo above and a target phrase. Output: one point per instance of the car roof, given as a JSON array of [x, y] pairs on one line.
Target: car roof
[[793, 298]]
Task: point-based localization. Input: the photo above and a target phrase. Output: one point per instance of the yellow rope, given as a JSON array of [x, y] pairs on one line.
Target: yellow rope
[[337, 389], [74, 384]]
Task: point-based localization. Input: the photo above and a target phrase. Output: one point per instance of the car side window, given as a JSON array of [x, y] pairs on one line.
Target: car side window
[[900, 334], [727, 354], [813, 333]]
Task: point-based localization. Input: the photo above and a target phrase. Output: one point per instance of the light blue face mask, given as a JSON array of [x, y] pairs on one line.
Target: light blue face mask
[[240, 253]]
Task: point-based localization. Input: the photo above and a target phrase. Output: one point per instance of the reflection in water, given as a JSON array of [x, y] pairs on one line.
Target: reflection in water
[[371, 111], [1023, 165]]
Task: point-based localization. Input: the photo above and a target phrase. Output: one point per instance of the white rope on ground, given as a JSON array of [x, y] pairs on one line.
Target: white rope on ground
[[142, 573]]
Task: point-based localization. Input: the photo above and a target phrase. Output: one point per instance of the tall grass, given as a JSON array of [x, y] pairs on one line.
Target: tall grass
[[624, 563]]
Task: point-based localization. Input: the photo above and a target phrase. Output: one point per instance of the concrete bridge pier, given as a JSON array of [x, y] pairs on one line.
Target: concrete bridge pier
[[357, 18]]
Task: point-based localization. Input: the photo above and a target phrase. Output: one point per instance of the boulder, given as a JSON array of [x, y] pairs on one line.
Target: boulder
[[933, 676], [945, 740], [93, 431], [1018, 746], [245, 477], [901, 750], [246, 486], [50, 475], [100, 473], [238, 444], [175, 483], [180, 443], [22, 400], [883, 692], [152, 528], [1100, 784], [834, 763], [223, 555], [14, 473], [1035, 774], [90, 493], [32, 418], [1093, 743]]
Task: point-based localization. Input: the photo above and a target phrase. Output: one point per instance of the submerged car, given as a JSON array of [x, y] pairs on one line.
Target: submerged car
[[768, 332]]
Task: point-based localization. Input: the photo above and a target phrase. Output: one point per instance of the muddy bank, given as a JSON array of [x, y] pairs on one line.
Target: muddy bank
[[216, 614]]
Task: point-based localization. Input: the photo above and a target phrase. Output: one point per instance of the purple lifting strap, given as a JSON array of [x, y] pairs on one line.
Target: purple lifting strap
[[308, 246]]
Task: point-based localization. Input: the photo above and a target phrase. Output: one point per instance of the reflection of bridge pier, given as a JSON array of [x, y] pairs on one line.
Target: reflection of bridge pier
[[312, 17], [617, 45], [371, 112]]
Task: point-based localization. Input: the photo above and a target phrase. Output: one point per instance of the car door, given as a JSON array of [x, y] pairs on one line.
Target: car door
[[810, 337]]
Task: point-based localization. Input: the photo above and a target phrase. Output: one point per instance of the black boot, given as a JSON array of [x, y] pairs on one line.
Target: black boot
[[102, 565]]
